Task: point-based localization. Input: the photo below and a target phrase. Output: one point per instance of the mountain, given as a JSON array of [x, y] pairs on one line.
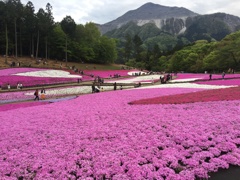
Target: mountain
[[169, 27], [213, 26], [173, 20], [151, 13]]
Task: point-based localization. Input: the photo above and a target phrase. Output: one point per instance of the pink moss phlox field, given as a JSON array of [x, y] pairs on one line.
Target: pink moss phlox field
[[31, 81], [229, 82], [204, 76], [100, 136], [11, 71], [7, 76], [7, 107], [14, 96], [226, 94]]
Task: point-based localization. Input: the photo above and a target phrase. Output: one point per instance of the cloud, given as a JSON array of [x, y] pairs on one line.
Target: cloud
[[103, 11]]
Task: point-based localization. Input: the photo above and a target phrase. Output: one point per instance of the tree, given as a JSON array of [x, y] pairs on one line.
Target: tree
[[128, 47], [40, 26], [6, 19], [68, 26], [106, 50], [137, 42], [58, 42], [3, 21], [92, 33], [45, 26], [30, 25], [49, 21], [14, 12]]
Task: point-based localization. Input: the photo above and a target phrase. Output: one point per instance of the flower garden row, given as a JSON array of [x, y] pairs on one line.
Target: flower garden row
[[177, 141], [33, 76], [101, 136], [226, 94]]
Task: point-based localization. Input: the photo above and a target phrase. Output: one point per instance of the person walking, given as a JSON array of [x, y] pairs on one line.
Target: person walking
[[93, 88], [42, 94], [223, 75], [8, 86], [18, 85], [36, 95], [210, 76]]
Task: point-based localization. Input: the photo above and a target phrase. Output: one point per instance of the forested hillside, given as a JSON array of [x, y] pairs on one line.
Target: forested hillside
[[203, 55], [24, 32]]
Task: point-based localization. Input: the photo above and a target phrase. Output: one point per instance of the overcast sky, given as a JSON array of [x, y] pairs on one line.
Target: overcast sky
[[103, 11]]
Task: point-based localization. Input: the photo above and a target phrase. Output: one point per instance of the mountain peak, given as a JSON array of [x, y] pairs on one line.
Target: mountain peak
[[148, 12], [156, 11], [150, 4]]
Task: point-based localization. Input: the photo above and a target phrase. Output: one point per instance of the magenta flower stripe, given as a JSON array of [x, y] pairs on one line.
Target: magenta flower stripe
[[204, 76], [20, 105], [225, 94]]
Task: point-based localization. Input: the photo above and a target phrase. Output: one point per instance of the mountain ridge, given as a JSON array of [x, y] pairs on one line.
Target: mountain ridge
[[174, 20], [149, 12]]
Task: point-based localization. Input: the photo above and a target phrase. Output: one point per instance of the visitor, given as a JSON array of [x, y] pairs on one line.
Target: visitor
[[8, 86], [79, 80], [43, 90], [36, 95], [93, 88], [18, 85], [42, 96], [152, 81], [210, 76], [97, 89], [223, 75], [115, 86]]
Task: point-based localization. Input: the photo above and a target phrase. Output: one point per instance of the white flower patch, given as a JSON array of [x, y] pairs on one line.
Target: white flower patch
[[186, 85], [49, 73], [65, 91], [132, 73], [74, 90], [183, 80], [137, 79]]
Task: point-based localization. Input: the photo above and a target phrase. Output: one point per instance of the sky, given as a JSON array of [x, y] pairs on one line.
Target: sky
[[103, 11]]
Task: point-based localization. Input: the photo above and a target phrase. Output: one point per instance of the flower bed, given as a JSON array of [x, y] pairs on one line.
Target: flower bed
[[229, 82], [100, 136], [11, 71], [33, 81], [33, 76], [7, 107], [137, 79], [226, 94], [106, 73], [193, 77]]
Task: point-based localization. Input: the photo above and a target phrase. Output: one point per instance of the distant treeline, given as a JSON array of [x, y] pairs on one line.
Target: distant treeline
[[199, 56], [24, 32]]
